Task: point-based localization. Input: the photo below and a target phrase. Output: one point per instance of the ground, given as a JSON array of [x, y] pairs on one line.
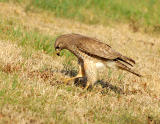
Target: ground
[[31, 87]]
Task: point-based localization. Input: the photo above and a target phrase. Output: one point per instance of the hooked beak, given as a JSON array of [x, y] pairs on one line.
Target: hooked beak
[[58, 52]]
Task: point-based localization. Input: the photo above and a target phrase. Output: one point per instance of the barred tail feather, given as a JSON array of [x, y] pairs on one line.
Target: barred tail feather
[[128, 59], [124, 67]]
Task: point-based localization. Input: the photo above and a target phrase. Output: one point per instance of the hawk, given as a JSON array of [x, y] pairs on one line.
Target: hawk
[[92, 55]]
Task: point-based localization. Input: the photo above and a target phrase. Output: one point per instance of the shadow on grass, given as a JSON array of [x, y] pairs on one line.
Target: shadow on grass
[[105, 85], [82, 82], [108, 85], [48, 74]]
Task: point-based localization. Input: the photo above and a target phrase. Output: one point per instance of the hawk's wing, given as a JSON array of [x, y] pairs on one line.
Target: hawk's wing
[[99, 49], [96, 48]]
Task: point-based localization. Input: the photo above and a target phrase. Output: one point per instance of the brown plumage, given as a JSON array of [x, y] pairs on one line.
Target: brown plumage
[[90, 49]]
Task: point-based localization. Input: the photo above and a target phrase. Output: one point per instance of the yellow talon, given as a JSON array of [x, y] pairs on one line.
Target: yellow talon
[[87, 86], [80, 74], [68, 79], [72, 78]]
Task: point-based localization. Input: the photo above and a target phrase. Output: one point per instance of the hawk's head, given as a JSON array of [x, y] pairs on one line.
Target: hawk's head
[[62, 42], [59, 45]]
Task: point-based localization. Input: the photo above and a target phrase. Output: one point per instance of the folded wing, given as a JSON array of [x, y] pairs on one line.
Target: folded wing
[[98, 49]]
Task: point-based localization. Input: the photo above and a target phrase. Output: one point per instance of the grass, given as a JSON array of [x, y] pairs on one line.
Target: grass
[[32, 38], [38, 103], [25, 38], [24, 101], [15, 95], [31, 86], [139, 14]]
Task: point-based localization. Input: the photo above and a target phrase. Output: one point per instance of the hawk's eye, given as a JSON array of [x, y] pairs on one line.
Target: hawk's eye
[[57, 47]]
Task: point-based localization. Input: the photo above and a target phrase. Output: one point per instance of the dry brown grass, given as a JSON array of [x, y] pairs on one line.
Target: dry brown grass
[[31, 88]]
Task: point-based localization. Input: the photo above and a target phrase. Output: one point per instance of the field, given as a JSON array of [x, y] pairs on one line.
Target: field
[[141, 15], [31, 75]]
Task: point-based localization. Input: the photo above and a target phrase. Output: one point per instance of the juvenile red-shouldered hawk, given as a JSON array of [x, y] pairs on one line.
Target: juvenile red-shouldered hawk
[[92, 54]]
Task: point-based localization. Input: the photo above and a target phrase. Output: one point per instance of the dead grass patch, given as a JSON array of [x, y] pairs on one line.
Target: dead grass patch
[[47, 76], [10, 68]]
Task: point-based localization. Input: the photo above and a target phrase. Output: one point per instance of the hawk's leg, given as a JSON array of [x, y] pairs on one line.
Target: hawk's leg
[[87, 86], [81, 73], [90, 72]]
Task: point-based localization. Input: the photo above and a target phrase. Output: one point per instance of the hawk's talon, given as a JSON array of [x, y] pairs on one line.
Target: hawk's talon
[[69, 79], [66, 81], [87, 86]]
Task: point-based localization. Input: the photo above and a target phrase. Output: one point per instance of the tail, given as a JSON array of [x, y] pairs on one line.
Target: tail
[[126, 60], [126, 68]]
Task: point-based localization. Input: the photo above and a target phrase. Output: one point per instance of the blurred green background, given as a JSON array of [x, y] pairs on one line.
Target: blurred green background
[[140, 14]]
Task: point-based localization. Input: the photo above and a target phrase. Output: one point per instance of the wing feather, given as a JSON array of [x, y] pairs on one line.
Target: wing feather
[[95, 47]]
